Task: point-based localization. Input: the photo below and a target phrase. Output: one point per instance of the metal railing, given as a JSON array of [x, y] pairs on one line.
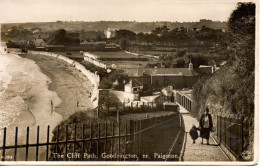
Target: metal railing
[[94, 141], [231, 133]]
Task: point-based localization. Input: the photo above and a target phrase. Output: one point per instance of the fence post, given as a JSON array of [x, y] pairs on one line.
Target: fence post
[[57, 139], [218, 127], [83, 143], [4, 142], [230, 132], [225, 126], [90, 137], [220, 131], [112, 142], [125, 138], [15, 143], [47, 144], [27, 143], [37, 145], [242, 134], [98, 136], [119, 139], [66, 143], [140, 138], [105, 141]]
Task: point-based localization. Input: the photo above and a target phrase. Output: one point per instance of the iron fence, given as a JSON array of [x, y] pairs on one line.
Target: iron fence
[[94, 141], [231, 133]]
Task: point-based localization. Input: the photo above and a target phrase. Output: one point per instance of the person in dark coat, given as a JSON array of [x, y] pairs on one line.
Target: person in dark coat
[[205, 125]]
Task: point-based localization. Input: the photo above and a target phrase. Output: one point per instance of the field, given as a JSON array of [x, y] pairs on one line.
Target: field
[[119, 54], [125, 60]]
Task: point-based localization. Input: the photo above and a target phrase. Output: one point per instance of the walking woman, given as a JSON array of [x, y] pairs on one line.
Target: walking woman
[[205, 125]]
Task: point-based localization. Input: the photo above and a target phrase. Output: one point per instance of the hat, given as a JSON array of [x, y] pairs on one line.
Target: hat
[[207, 109]]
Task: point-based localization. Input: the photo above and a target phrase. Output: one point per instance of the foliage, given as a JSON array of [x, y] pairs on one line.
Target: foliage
[[61, 37], [107, 79], [230, 91], [180, 63], [163, 36], [11, 44], [114, 76], [198, 60]]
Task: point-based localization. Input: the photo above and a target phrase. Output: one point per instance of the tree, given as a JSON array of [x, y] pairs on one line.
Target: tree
[[242, 30], [232, 86]]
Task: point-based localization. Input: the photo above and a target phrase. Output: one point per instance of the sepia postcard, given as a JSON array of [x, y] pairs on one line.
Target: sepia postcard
[[129, 82]]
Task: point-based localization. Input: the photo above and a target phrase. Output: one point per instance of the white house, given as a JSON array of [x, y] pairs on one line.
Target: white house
[[39, 43]]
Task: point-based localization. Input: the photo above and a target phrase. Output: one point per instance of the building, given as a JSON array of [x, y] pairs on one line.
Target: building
[[39, 43], [178, 78], [206, 69], [132, 90]]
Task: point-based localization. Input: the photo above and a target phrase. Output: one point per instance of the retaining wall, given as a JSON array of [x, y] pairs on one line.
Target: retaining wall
[[93, 59]]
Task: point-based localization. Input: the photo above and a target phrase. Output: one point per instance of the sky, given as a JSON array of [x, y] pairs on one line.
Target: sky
[[12, 11]]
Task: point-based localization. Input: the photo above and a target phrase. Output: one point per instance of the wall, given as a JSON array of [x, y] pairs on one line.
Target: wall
[[162, 81], [184, 100], [136, 54], [93, 59], [178, 82]]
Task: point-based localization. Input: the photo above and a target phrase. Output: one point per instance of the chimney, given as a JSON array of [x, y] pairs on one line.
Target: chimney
[[190, 66]]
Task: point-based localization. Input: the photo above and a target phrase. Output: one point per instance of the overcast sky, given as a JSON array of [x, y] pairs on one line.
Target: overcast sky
[[114, 10]]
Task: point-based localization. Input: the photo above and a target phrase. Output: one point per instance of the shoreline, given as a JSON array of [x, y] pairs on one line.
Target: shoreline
[[56, 81], [71, 86]]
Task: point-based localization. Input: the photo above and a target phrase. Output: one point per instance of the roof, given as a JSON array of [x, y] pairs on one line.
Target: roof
[[149, 98], [134, 83], [171, 71], [55, 46], [39, 40], [205, 66]]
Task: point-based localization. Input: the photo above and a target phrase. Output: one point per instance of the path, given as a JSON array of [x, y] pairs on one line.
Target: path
[[198, 151]]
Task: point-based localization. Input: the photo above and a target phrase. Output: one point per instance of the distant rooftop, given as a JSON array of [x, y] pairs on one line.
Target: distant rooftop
[[134, 83]]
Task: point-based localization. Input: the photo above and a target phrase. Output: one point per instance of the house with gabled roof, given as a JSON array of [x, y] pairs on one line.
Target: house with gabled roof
[[178, 78]]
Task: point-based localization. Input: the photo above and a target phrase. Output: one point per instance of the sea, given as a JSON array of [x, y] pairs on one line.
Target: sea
[[25, 99]]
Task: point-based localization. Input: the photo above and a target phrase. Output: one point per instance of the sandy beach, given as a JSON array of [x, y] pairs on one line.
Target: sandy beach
[[71, 85], [37, 81]]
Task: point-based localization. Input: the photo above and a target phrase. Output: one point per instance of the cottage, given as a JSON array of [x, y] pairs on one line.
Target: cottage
[[132, 90], [39, 43]]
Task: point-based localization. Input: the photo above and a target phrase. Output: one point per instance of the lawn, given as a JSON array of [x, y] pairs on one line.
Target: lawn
[[119, 54]]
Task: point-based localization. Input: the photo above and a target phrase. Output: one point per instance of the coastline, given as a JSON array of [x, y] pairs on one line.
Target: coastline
[[38, 80], [71, 85]]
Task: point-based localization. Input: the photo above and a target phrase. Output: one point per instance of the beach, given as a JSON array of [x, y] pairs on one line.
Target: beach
[[29, 84], [72, 87]]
